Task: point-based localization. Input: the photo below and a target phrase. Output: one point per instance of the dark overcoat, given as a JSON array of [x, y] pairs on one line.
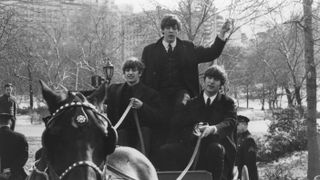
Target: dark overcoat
[[221, 113], [247, 154], [8, 105], [190, 56], [13, 151], [149, 113]]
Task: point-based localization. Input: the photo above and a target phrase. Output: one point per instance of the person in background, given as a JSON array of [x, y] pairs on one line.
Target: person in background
[[246, 149], [172, 68], [218, 114], [145, 101], [8, 104], [13, 150]]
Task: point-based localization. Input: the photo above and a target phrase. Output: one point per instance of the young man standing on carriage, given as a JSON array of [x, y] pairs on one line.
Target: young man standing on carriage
[[246, 149], [172, 68], [8, 104], [145, 102], [13, 151], [218, 150]]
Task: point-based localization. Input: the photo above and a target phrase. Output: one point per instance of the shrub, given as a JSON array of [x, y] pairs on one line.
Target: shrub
[[286, 134], [280, 172]]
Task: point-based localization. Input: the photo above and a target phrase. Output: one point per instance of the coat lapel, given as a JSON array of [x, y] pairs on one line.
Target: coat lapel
[[157, 55], [216, 100]]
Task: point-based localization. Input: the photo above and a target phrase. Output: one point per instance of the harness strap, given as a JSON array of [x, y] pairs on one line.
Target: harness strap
[[195, 152], [81, 163]]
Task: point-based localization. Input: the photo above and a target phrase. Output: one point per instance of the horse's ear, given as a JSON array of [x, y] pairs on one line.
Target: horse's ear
[[98, 96], [52, 98]]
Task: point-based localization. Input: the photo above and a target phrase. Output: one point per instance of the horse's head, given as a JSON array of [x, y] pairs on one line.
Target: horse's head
[[78, 137]]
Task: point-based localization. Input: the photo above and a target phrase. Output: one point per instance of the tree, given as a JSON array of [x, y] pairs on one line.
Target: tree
[[310, 68]]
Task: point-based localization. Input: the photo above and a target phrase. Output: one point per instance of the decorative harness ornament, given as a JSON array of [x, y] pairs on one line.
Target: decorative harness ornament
[[81, 119]]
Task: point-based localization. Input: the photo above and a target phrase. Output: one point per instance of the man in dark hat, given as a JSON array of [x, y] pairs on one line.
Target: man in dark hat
[[13, 150], [246, 149], [8, 104]]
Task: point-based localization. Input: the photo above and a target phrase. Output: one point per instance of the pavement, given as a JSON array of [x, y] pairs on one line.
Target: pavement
[[24, 126]]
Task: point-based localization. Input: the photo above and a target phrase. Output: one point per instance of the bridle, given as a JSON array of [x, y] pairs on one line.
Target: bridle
[[80, 119]]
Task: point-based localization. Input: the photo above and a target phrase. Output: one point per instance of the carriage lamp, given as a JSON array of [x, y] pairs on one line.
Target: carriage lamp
[[108, 70]]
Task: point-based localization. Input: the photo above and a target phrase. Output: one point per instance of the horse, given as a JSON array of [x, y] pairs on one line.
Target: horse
[[79, 142]]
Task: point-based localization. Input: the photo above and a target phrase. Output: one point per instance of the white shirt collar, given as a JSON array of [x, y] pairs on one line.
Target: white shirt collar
[[166, 44], [205, 97]]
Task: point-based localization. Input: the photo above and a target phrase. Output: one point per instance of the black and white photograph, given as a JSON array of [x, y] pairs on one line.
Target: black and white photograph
[[159, 90]]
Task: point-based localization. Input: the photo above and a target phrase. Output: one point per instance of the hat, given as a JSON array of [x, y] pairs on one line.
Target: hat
[[8, 85], [243, 119]]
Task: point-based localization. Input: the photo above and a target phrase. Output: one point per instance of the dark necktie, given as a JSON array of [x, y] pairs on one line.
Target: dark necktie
[[170, 49], [208, 102]]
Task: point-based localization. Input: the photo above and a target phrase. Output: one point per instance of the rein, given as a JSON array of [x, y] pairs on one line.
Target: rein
[[193, 157], [136, 119], [123, 115]]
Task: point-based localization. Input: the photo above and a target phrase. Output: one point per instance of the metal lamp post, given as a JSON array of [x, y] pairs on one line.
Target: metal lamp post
[[108, 70]]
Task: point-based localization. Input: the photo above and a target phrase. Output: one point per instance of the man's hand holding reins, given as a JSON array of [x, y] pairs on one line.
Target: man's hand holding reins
[[207, 130], [136, 103]]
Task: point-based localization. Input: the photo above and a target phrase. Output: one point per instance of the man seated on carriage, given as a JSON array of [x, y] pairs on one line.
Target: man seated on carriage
[[145, 102], [217, 151], [13, 151], [246, 149]]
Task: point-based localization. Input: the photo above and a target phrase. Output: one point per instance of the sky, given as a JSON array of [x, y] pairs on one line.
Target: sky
[[147, 4], [249, 29]]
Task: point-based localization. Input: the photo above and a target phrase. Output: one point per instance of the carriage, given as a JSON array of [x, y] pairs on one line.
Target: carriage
[[79, 143]]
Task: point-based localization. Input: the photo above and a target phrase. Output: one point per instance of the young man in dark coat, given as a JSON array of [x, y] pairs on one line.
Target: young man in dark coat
[[13, 150], [145, 101], [246, 149], [218, 150], [8, 104], [172, 68]]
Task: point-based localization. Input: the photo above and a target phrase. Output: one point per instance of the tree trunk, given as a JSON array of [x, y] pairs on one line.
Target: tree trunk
[[247, 96], [298, 95], [263, 97], [313, 146], [30, 85], [289, 97], [236, 95]]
